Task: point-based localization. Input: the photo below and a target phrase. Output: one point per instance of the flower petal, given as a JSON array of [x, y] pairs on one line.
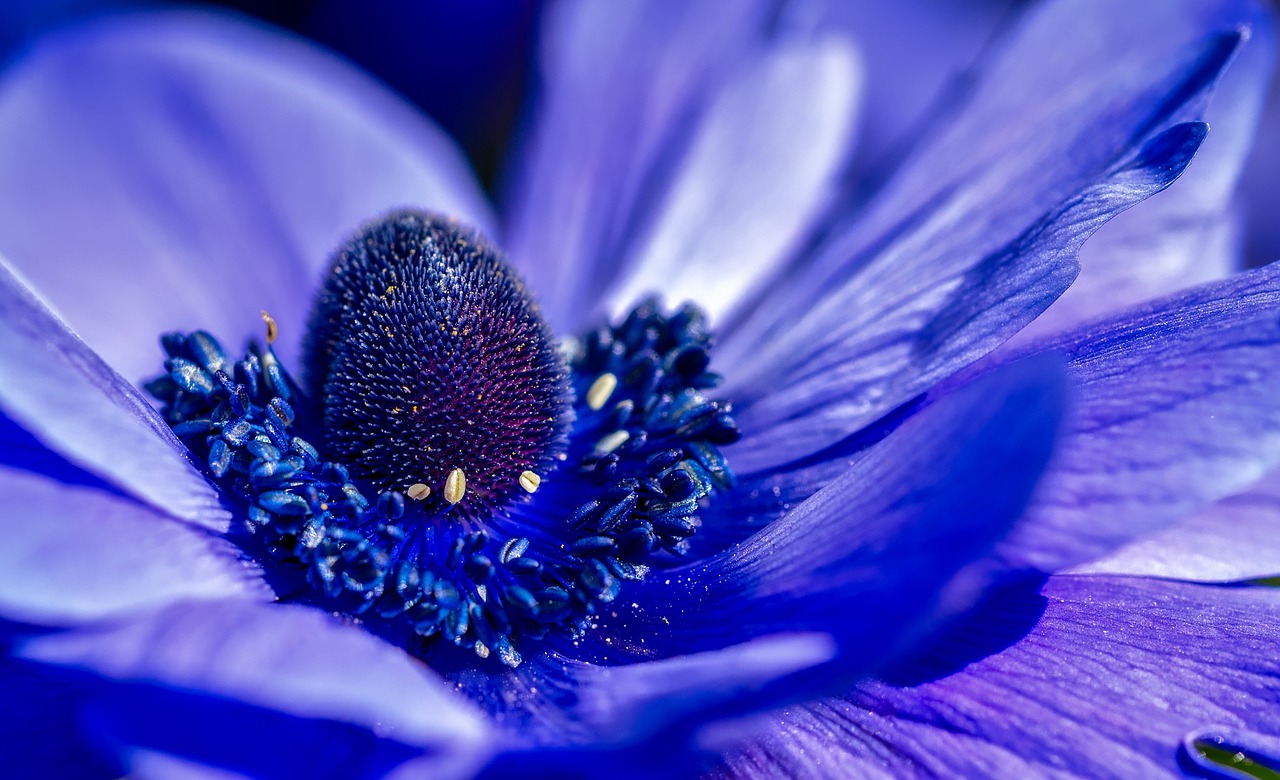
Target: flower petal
[[660, 718], [880, 542], [1176, 407], [186, 170], [979, 231], [763, 164], [1235, 538], [38, 719], [1260, 187], [1106, 684], [635, 701], [74, 553], [621, 89], [916, 51], [1185, 235], [259, 689], [63, 393]]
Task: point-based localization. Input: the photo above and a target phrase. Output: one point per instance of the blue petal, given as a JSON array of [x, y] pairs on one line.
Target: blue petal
[[979, 231], [38, 719], [652, 719], [621, 93], [1229, 540], [1177, 409], [639, 701], [1112, 676], [1260, 187], [186, 170], [63, 393], [762, 164], [914, 50], [264, 690], [865, 558], [1188, 234], [567, 717], [1177, 406], [74, 553]]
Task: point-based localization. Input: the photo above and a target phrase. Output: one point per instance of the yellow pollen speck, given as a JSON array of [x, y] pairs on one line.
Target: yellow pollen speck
[[600, 391], [529, 481], [455, 486], [481, 650], [612, 442], [418, 491], [272, 329]]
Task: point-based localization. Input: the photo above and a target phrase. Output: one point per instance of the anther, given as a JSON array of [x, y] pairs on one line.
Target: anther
[[272, 329], [455, 486], [612, 442], [487, 418], [600, 390]]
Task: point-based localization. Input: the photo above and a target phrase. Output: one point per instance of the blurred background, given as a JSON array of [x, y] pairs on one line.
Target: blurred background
[[468, 63]]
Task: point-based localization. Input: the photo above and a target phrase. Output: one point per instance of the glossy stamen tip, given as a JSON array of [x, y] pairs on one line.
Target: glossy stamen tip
[[455, 486]]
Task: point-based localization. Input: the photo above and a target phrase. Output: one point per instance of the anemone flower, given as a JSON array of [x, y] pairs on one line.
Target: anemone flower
[[879, 499]]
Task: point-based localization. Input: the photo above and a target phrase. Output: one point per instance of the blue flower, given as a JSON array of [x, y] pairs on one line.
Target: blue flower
[[979, 526]]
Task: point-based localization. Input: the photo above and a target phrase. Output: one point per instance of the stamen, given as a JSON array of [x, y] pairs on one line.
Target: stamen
[[612, 441], [272, 330], [639, 459], [455, 487], [600, 390]]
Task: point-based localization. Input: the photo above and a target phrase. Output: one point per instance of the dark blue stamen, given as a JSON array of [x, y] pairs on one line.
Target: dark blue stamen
[[639, 451]]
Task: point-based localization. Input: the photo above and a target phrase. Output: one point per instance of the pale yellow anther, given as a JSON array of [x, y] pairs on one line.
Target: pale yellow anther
[[529, 481], [418, 491], [482, 650], [613, 441], [600, 390], [455, 486], [272, 329]]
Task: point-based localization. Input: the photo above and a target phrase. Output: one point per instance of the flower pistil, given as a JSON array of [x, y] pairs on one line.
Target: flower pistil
[[517, 483]]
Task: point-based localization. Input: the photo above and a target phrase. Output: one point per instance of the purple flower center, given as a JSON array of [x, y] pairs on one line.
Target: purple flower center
[[436, 373], [438, 389]]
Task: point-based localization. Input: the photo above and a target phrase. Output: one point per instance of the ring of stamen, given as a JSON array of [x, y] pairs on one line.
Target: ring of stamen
[[476, 581]]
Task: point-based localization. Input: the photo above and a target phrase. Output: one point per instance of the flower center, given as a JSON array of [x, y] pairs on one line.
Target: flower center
[[436, 375], [437, 381]]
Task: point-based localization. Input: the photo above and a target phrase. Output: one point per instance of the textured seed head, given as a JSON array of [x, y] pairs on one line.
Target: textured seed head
[[429, 356]]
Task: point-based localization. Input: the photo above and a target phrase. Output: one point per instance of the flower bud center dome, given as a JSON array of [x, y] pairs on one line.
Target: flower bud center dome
[[436, 373]]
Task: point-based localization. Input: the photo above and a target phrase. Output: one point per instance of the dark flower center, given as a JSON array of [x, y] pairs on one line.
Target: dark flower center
[[439, 390], [436, 373]]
